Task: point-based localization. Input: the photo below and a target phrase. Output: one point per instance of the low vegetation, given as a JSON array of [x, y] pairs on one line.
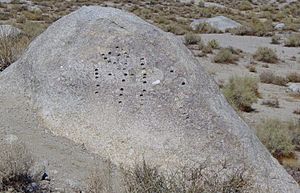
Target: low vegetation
[[144, 178], [275, 39], [226, 56], [293, 41], [265, 54], [269, 78], [271, 103], [206, 28], [15, 163], [276, 136], [214, 44], [191, 38], [10, 49], [293, 77], [241, 92]]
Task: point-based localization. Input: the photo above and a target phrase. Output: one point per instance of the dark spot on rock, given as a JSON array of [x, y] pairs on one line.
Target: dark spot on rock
[[183, 83], [121, 89]]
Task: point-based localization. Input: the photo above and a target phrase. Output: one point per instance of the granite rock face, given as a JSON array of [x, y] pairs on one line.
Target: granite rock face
[[129, 91]]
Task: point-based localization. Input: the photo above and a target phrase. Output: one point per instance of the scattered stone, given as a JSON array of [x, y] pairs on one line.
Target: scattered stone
[[220, 22], [294, 87], [9, 31], [279, 26]]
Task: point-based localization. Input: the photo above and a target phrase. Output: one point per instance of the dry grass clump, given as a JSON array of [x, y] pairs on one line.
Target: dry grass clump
[[276, 137], [293, 41], [191, 38], [245, 5], [148, 179], [15, 163], [265, 54], [206, 28], [293, 77], [225, 56], [269, 78], [214, 44], [10, 49], [271, 103], [297, 111], [275, 39], [252, 68], [241, 92]]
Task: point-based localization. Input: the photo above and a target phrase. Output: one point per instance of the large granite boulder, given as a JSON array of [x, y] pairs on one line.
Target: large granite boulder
[[221, 23], [129, 91]]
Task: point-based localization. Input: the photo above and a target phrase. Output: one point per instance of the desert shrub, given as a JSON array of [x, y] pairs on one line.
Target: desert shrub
[[33, 15], [242, 31], [275, 39], [271, 103], [276, 137], [269, 78], [245, 5], [207, 49], [225, 55], [15, 164], [293, 41], [175, 29], [254, 28], [251, 68], [294, 128], [241, 92], [297, 111], [33, 29], [10, 49], [191, 38], [148, 179], [265, 54], [206, 28], [214, 44], [293, 77]]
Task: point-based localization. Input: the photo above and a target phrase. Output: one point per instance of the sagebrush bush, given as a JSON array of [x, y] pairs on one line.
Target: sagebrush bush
[[276, 137], [207, 49], [225, 55], [241, 92], [265, 54], [271, 103], [293, 41], [145, 178], [191, 38], [275, 39], [245, 5], [10, 49], [206, 28], [269, 78], [293, 77], [15, 164], [214, 44]]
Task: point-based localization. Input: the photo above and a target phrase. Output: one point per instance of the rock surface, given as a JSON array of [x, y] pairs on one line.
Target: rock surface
[[221, 23], [128, 91], [9, 31]]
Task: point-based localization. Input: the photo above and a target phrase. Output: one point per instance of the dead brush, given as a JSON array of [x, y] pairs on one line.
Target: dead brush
[[15, 164], [10, 49], [148, 179]]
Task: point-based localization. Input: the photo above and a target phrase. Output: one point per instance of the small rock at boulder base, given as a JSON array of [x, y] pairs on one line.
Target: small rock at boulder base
[[89, 78]]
